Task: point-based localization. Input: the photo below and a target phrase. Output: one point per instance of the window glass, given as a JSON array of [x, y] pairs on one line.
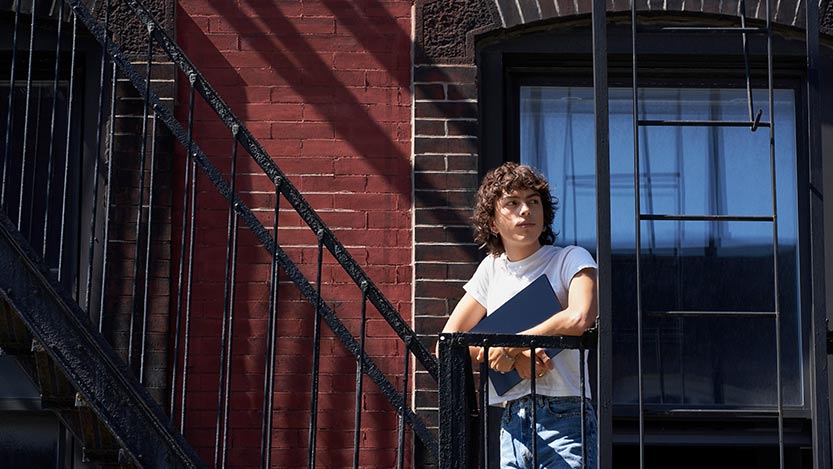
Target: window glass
[[686, 265]]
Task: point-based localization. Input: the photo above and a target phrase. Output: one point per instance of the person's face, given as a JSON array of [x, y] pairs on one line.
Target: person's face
[[519, 219]]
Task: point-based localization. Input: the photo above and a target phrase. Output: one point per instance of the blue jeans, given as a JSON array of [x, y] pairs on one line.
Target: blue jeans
[[558, 423]]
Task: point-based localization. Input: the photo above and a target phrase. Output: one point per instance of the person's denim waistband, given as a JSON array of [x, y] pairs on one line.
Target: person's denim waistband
[[542, 400]]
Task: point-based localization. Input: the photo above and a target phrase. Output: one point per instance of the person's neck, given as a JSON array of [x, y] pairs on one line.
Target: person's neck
[[519, 253]]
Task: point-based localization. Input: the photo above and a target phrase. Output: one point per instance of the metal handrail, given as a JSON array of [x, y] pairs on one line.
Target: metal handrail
[[123, 67]]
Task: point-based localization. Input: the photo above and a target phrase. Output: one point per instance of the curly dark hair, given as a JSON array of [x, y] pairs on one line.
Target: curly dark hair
[[504, 179]]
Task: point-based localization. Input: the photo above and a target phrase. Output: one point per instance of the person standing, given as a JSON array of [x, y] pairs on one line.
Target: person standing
[[513, 219]]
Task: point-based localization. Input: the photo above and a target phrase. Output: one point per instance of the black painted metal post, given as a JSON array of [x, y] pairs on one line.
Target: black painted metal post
[[316, 357], [455, 438], [140, 200], [51, 152], [775, 263], [400, 448], [28, 97], [107, 193], [96, 161], [818, 359], [269, 378], [71, 95], [360, 377], [189, 290], [534, 394], [148, 244], [638, 234], [583, 394], [7, 154], [231, 284], [753, 118], [604, 321], [181, 273], [484, 404], [34, 187]]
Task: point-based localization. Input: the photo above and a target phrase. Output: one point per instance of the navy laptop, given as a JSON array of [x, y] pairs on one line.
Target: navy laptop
[[529, 307]]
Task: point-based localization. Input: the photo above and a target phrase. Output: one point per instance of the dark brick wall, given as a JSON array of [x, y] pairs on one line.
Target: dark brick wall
[[124, 210], [125, 204], [445, 180]]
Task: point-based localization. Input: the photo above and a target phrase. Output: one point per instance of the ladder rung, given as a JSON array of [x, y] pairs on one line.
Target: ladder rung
[[754, 314], [745, 411], [697, 123], [708, 29], [756, 218]]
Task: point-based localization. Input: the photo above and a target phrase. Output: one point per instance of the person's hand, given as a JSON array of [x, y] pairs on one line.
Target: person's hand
[[476, 354], [543, 363], [500, 360]]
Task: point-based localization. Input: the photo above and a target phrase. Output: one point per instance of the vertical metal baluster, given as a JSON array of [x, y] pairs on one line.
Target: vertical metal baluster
[[581, 362], [94, 210], [231, 281], [10, 112], [224, 335], [753, 118], [316, 352], [638, 234], [181, 274], [26, 118], [146, 295], [484, 401], [109, 185], [269, 378], [532, 386], [35, 187], [61, 450], [601, 129], [820, 393], [51, 153], [776, 283], [189, 289], [71, 95], [187, 342], [142, 160], [360, 376], [400, 447]]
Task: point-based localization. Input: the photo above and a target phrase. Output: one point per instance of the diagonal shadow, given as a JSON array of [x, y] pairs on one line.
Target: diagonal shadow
[[372, 32], [364, 134], [301, 67]]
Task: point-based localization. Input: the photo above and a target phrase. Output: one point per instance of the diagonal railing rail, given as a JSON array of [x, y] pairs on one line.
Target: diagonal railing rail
[[93, 261]]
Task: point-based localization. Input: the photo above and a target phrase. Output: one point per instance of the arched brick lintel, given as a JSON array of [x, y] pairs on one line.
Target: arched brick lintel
[[446, 28], [517, 12]]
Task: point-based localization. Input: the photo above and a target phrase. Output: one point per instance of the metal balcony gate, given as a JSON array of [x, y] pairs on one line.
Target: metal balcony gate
[[464, 423], [57, 291]]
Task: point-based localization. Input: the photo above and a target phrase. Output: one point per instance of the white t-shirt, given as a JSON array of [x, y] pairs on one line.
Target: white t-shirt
[[498, 279]]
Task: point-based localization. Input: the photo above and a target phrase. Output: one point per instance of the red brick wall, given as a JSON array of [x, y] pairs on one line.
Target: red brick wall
[[325, 87]]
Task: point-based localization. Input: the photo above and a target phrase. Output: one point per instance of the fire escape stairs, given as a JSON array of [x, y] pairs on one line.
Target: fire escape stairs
[[81, 377]]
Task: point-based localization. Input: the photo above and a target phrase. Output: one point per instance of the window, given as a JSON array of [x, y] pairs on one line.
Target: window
[[686, 265]]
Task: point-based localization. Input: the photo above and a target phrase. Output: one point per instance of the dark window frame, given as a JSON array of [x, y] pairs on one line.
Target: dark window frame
[[509, 60]]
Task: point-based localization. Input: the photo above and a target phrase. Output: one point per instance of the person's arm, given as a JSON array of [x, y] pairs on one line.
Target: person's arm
[[466, 315], [577, 317], [580, 313]]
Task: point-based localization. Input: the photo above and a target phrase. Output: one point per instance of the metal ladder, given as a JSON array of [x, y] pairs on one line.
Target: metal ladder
[[754, 123]]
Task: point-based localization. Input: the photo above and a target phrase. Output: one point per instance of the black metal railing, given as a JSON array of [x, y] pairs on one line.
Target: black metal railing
[[465, 427], [102, 177]]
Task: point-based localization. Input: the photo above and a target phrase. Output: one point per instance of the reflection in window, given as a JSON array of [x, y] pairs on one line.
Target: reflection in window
[[686, 266]]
